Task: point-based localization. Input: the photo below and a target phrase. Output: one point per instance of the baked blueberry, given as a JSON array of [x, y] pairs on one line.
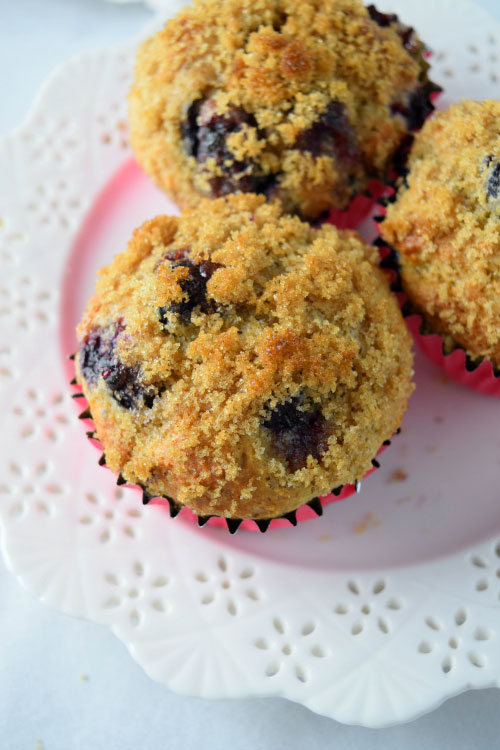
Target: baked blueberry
[[99, 359], [331, 135], [298, 430], [415, 109], [492, 184], [206, 136], [193, 285]]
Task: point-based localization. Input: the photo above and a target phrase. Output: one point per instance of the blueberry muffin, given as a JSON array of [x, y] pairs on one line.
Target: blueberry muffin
[[303, 101], [242, 363], [445, 227]]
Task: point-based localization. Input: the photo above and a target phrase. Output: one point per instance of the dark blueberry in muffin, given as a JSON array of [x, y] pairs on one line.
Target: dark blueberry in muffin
[[194, 287], [419, 108], [98, 359], [189, 129], [205, 134], [214, 130], [331, 135], [297, 431], [126, 388], [261, 184], [416, 109], [408, 36], [410, 40], [97, 355], [492, 184], [382, 19]]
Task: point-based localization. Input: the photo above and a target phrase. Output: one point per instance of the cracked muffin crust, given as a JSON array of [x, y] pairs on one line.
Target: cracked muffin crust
[[241, 362], [304, 101], [445, 226]]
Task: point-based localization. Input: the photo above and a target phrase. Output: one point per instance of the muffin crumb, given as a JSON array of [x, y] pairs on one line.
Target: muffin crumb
[[398, 475]]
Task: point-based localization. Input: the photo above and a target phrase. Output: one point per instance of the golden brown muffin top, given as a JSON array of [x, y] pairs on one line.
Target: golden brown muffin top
[[269, 359], [446, 226], [272, 69]]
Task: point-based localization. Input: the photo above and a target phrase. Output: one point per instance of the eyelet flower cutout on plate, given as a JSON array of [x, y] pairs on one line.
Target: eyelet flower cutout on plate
[[373, 613], [450, 648], [280, 644], [106, 517], [227, 589], [360, 609], [131, 600]]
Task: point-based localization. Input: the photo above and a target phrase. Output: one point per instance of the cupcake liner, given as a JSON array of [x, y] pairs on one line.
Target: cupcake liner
[[480, 376], [457, 365], [309, 510]]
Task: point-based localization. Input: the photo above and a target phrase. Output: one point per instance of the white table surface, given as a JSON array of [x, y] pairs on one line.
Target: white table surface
[[44, 654]]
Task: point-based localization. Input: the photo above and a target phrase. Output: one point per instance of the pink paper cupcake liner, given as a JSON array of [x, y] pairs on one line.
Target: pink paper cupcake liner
[[456, 365]]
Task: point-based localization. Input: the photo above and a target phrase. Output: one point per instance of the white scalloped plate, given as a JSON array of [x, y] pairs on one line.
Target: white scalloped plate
[[374, 613]]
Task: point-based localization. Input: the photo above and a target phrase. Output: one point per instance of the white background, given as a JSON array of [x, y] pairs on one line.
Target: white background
[[43, 654]]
